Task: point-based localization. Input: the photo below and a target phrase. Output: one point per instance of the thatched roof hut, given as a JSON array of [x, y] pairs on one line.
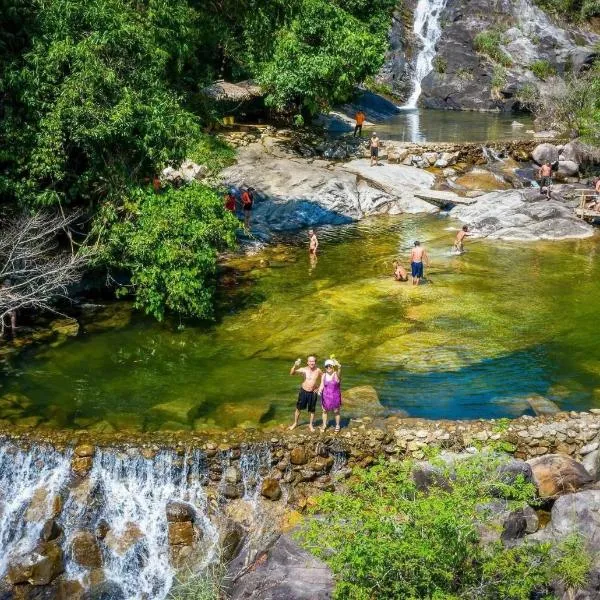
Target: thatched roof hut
[[224, 91]]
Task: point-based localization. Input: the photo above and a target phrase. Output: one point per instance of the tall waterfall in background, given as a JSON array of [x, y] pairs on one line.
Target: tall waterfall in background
[[427, 29]]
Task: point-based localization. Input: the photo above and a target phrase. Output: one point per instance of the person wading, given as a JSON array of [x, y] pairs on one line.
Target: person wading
[[417, 255], [459, 246], [307, 396], [247, 202], [359, 117]]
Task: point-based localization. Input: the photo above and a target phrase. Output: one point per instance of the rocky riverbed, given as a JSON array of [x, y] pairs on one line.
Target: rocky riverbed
[[296, 189]]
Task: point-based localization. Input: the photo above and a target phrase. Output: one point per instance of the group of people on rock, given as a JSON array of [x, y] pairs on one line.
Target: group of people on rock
[[246, 201]]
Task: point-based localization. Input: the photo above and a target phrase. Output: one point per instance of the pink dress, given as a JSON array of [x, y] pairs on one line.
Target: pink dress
[[332, 394]]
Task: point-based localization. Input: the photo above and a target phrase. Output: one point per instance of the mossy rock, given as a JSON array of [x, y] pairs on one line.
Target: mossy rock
[[126, 421], [101, 427], [15, 400], [68, 327], [28, 422], [242, 414], [181, 411], [362, 400]]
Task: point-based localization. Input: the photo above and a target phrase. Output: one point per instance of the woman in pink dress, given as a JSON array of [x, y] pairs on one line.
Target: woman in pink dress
[[331, 393]]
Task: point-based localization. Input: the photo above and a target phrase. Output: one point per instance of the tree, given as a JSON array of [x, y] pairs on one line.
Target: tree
[[88, 105], [323, 52], [34, 270], [168, 243]]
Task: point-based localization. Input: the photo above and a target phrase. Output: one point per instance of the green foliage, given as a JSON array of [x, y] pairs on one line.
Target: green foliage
[[386, 540], [168, 243], [440, 64], [572, 10], [488, 43], [378, 87], [542, 69], [91, 109], [326, 48], [207, 584], [499, 77], [212, 152]]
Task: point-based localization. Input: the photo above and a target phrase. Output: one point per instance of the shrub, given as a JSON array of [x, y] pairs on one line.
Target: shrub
[[208, 584], [440, 64], [488, 43], [590, 8], [542, 69], [385, 539], [499, 77], [167, 243]]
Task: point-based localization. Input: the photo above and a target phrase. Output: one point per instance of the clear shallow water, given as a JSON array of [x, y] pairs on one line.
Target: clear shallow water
[[423, 125], [501, 322]]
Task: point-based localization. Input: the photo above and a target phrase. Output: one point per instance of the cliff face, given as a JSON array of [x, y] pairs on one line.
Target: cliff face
[[525, 44]]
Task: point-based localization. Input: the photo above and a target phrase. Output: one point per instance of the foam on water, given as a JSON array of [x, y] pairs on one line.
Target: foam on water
[[30, 480]]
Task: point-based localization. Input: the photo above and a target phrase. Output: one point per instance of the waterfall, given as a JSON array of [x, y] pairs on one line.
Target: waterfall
[[428, 31], [131, 494], [125, 495], [30, 481]]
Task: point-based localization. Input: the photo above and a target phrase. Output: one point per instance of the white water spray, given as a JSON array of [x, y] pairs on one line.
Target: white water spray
[[30, 481], [428, 31]]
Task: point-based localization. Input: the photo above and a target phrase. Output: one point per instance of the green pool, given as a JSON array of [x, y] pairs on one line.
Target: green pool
[[490, 328]]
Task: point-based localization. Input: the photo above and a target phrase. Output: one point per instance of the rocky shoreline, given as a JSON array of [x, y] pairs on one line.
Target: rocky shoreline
[[252, 490]]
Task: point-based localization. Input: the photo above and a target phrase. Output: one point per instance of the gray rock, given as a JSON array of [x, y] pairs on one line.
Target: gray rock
[[426, 476], [232, 475], [591, 463], [509, 472], [288, 572], [574, 513], [512, 215], [567, 168], [544, 153]]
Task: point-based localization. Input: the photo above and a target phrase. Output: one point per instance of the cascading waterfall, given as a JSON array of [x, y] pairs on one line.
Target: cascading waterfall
[[30, 481], [131, 494], [253, 465], [428, 31]]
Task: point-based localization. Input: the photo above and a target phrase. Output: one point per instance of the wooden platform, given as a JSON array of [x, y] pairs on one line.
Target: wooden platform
[[440, 198], [584, 213]]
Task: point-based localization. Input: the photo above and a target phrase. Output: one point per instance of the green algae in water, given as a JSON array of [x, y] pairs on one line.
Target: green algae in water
[[499, 323]]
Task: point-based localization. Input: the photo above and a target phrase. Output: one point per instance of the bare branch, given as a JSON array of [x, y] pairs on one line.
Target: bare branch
[[34, 269]]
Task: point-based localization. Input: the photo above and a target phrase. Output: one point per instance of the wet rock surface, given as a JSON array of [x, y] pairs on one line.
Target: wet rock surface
[[285, 571]]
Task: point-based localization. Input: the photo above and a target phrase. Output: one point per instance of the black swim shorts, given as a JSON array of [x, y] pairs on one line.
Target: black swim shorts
[[374, 151], [306, 400]]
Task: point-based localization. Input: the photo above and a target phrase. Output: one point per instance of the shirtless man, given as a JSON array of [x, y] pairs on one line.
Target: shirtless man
[[400, 273], [417, 255], [307, 396], [313, 243], [374, 146], [545, 175], [459, 246]]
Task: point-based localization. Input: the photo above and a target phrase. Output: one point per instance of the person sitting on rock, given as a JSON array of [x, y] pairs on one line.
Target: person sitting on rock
[[400, 273]]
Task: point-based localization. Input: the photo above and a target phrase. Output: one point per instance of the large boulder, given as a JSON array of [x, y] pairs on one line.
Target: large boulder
[[85, 551], [591, 462], [556, 474], [38, 567], [270, 489], [362, 400], [545, 153], [567, 168], [577, 513], [284, 572]]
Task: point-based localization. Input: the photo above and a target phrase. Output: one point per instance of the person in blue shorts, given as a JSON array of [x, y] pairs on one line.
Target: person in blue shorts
[[418, 255]]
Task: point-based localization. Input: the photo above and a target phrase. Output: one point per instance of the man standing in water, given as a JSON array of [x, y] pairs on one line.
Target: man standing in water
[[459, 246], [417, 255], [307, 396], [313, 242]]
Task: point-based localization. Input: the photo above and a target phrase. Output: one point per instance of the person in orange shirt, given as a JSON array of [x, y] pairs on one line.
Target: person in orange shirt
[[359, 117]]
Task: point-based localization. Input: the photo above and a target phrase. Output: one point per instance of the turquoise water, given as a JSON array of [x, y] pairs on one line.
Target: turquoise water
[[489, 328]]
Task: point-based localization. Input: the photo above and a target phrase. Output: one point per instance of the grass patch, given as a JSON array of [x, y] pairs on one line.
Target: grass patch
[[488, 43], [440, 64], [385, 539], [211, 151], [499, 77], [542, 69], [208, 584]]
